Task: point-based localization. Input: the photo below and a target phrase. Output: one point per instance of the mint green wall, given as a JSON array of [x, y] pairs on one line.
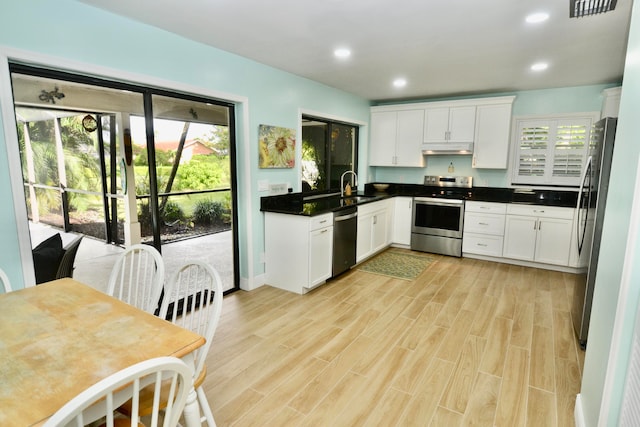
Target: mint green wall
[[547, 101], [615, 235], [9, 254], [71, 31]]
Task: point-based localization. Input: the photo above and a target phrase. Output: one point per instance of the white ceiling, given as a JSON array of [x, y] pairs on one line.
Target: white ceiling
[[445, 48]]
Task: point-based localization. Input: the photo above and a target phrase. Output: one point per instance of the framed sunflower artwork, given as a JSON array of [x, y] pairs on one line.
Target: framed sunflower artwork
[[277, 147]]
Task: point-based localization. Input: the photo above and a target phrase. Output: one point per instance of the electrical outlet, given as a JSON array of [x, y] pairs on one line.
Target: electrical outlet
[[278, 188]]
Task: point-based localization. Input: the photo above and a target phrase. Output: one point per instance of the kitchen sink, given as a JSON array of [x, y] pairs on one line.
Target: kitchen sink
[[357, 198], [354, 200]]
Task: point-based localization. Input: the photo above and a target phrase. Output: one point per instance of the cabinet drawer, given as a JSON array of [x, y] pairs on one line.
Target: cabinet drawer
[[482, 244], [320, 221], [485, 207], [540, 211], [483, 223]]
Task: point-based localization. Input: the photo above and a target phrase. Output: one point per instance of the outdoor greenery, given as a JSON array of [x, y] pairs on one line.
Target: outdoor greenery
[[209, 212], [81, 161], [82, 169]]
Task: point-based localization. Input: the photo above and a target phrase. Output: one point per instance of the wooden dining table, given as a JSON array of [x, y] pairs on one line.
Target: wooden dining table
[[60, 337]]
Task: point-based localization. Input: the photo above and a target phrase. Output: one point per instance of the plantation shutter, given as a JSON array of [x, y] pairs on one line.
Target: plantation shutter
[[533, 150], [571, 147], [551, 151]]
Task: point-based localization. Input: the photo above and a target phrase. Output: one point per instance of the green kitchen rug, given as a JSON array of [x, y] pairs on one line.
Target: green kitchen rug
[[397, 263]]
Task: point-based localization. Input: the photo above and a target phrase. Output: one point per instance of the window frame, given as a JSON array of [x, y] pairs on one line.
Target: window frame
[[548, 180], [331, 121]]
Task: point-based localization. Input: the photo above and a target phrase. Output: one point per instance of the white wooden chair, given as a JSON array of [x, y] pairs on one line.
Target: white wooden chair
[[137, 277], [103, 398], [193, 300], [5, 282]]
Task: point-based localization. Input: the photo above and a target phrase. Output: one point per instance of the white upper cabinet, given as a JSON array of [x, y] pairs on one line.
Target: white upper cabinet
[[401, 133], [449, 124], [493, 127], [396, 138], [382, 150]]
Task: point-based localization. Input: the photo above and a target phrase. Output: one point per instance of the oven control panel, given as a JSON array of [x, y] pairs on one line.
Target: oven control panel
[[449, 181]]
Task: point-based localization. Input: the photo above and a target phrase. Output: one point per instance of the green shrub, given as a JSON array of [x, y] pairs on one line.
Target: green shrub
[[172, 212], [208, 212]]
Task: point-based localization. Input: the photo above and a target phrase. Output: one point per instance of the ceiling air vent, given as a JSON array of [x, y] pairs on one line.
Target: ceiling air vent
[[580, 8]]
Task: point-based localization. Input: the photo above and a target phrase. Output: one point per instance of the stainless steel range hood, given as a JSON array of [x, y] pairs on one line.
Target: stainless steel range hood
[[450, 148]]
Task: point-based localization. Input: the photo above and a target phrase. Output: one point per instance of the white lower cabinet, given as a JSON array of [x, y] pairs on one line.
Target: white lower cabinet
[[298, 250], [373, 228], [402, 211], [539, 234], [320, 255], [483, 228]]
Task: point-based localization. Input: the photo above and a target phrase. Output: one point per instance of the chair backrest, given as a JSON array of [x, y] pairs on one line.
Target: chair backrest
[[137, 277], [193, 300], [5, 282], [65, 269], [103, 398]]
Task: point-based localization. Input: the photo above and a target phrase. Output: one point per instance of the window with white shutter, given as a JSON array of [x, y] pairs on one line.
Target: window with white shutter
[[551, 150]]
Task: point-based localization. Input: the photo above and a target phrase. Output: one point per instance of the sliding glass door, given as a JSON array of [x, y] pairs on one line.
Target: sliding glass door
[[127, 164]]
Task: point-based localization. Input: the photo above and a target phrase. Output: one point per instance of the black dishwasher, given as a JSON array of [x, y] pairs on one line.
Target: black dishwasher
[[345, 225]]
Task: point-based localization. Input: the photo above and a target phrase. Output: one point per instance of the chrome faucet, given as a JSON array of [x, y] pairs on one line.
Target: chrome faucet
[[355, 181]]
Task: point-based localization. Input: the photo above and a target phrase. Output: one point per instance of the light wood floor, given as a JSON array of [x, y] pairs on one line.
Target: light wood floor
[[468, 343]]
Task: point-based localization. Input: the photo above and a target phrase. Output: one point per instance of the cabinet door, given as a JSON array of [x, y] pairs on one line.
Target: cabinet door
[[401, 234], [553, 243], [379, 231], [491, 145], [363, 239], [383, 138], [462, 124], [520, 237], [436, 124], [409, 139], [320, 254]]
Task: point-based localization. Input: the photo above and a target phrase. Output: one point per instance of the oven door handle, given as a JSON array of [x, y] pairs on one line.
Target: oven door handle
[[437, 202]]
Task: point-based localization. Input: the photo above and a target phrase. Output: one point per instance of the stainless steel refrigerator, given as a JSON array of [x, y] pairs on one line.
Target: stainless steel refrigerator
[[591, 205]]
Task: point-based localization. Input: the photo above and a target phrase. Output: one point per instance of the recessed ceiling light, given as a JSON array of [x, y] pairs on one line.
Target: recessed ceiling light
[[539, 66], [400, 82], [342, 53], [536, 18]]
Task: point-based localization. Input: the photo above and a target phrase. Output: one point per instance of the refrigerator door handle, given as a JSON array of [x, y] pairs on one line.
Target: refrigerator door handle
[[580, 236]]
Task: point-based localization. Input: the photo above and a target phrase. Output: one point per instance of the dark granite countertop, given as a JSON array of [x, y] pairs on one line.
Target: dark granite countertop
[[297, 204]]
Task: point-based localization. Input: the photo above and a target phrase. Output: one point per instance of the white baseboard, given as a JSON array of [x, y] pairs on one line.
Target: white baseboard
[[522, 263], [249, 285], [577, 413]]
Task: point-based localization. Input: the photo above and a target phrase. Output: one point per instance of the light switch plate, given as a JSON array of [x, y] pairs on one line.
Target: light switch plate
[[263, 185]]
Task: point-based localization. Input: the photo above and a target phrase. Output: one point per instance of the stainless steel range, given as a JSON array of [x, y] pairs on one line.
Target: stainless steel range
[[437, 220]]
